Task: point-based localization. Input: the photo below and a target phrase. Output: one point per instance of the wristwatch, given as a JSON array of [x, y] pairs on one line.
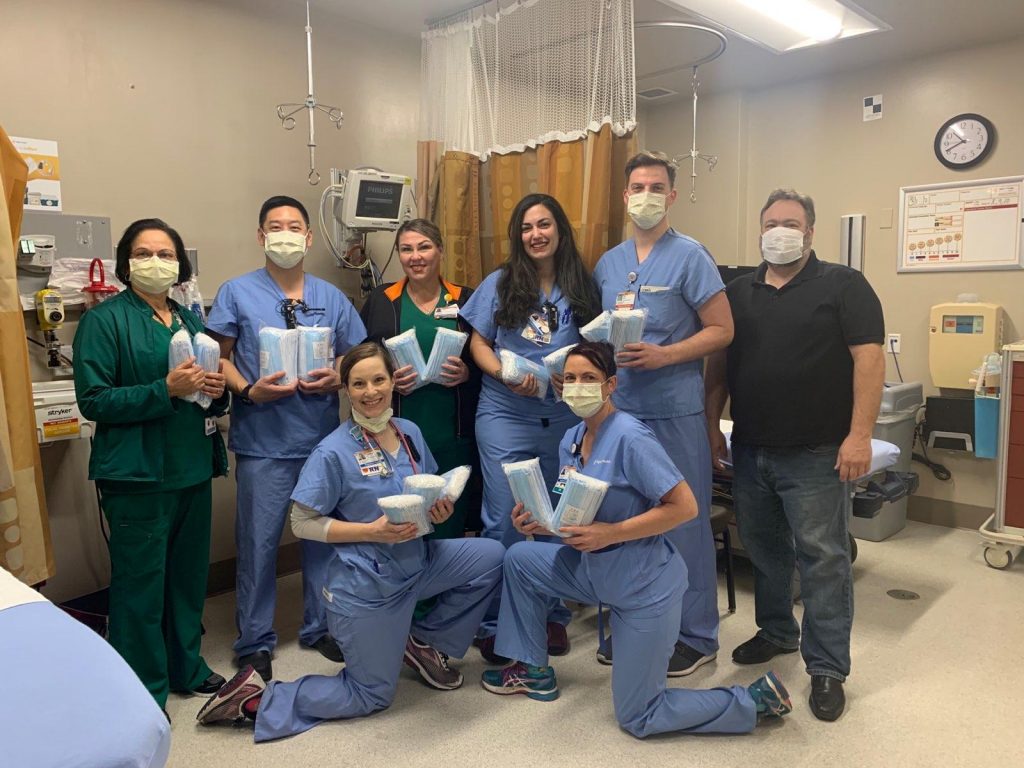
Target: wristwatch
[[244, 394]]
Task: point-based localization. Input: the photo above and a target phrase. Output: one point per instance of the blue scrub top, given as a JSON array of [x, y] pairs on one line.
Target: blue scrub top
[[363, 576], [288, 428], [628, 457], [479, 312], [676, 279]]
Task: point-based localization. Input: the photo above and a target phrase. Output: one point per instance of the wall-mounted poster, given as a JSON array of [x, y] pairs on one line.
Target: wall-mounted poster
[[43, 190]]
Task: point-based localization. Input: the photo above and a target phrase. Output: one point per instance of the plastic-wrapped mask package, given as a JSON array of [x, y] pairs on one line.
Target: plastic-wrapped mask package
[[179, 352], [529, 489], [515, 368], [627, 327], [407, 508], [456, 480], [598, 329], [279, 350], [581, 498], [429, 487], [446, 343], [555, 363], [316, 350], [405, 350], [207, 353]]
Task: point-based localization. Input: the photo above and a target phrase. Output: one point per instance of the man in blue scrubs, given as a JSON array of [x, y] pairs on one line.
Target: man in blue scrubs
[[675, 279], [274, 427]]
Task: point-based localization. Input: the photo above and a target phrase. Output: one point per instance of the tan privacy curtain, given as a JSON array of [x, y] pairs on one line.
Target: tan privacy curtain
[[475, 199], [24, 532]]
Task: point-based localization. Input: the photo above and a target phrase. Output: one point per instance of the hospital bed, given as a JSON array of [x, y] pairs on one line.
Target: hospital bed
[[67, 699]]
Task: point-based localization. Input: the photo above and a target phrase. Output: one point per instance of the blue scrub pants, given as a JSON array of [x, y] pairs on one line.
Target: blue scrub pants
[[264, 495], [464, 574], [645, 621], [685, 440], [503, 437]]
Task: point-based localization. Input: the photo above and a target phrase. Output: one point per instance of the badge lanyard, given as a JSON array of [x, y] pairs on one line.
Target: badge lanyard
[[627, 299]]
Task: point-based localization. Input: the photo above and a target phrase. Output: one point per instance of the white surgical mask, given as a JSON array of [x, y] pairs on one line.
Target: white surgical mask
[[373, 424], [782, 245], [153, 275], [583, 399], [646, 209], [285, 249]]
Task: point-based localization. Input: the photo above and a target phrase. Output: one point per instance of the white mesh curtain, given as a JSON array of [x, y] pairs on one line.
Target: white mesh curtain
[[507, 75]]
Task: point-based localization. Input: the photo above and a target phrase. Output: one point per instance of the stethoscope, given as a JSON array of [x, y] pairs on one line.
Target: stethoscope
[[364, 438]]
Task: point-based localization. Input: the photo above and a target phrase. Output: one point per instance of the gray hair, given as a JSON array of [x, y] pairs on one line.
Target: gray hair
[[791, 194], [647, 159]]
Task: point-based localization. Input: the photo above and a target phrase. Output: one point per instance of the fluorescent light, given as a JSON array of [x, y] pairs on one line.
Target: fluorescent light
[[785, 25]]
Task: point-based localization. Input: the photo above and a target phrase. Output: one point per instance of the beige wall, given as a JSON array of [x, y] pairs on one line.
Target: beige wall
[[810, 135], [166, 108]]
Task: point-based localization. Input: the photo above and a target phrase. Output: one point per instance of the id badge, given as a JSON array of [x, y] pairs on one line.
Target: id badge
[[537, 330], [449, 312], [370, 461], [625, 300], [563, 478], [209, 426]]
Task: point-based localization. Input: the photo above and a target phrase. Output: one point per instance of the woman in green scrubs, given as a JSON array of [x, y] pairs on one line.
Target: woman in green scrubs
[[445, 413], [153, 457]]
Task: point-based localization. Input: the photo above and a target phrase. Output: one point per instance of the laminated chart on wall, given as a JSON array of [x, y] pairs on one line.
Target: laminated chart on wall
[[407, 508], [967, 225], [43, 190], [405, 350], [447, 343], [529, 489], [581, 498]]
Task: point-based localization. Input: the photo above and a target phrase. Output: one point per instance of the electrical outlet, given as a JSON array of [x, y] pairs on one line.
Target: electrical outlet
[[892, 343]]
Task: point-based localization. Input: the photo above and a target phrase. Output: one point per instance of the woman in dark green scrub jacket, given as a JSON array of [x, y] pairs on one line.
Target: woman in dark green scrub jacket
[[445, 413], [153, 458]]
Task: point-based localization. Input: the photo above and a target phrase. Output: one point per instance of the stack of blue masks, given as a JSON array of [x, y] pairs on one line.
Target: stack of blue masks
[[428, 487], [598, 329], [581, 498], [515, 369], [627, 327], [316, 350], [207, 352], [279, 352], [456, 480], [528, 488], [405, 350], [407, 508], [446, 343]]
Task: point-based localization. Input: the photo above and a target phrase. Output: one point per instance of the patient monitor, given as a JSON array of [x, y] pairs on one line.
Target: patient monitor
[[372, 200], [960, 335]]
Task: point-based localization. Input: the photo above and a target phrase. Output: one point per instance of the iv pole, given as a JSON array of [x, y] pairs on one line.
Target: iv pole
[[334, 114]]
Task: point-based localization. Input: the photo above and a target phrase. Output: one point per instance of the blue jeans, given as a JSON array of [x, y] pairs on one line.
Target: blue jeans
[[792, 510]]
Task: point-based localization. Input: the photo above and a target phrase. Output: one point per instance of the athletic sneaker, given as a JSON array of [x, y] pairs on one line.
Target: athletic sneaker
[[432, 665], [770, 696], [229, 703], [604, 653], [536, 682], [686, 660]]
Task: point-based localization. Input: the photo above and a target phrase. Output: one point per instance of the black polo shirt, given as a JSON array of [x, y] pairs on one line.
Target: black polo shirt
[[790, 371]]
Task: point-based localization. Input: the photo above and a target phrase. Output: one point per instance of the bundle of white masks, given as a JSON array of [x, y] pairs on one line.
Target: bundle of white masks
[[598, 329], [428, 487], [446, 343], [529, 489], [627, 327], [405, 350], [279, 350], [407, 508], [456, 480], [316, 350], [515, 369], [581, 498], [207, 352]]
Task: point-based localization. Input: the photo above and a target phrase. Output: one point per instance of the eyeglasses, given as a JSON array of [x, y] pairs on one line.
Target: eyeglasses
[[551, 312], [144, 254], [288, 307]]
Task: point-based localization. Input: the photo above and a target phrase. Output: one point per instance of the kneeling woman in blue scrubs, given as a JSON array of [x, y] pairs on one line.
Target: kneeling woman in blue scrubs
[[622, 560], [377, 573]]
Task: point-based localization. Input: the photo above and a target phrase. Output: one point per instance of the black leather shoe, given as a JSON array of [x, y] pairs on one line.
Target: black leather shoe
[[827, 698], [260, 661], [210, 685], [327, 648], [757, 650]]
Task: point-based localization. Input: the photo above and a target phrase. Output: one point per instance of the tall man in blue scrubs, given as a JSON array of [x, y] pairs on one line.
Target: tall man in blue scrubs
[[660, 379], [805, 375], [275, 427]]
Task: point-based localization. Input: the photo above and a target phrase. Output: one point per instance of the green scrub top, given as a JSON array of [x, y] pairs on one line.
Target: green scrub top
[[188, 451]]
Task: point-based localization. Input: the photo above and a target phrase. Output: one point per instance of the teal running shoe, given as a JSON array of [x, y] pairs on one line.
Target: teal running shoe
[[536, 682], [770, 696]]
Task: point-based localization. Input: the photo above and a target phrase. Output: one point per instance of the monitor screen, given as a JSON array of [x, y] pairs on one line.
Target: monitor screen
[[378, 199]]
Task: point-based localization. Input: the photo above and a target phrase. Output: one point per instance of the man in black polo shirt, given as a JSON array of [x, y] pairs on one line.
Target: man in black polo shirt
[[804, 373]]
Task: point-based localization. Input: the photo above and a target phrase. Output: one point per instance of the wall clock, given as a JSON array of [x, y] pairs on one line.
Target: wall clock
[[964, 141]]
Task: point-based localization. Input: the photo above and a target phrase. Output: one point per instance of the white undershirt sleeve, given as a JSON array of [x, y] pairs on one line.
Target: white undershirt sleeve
[[308, 523]]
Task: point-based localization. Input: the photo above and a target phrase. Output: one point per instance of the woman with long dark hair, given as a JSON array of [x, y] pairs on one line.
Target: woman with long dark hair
[[533, 305]]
